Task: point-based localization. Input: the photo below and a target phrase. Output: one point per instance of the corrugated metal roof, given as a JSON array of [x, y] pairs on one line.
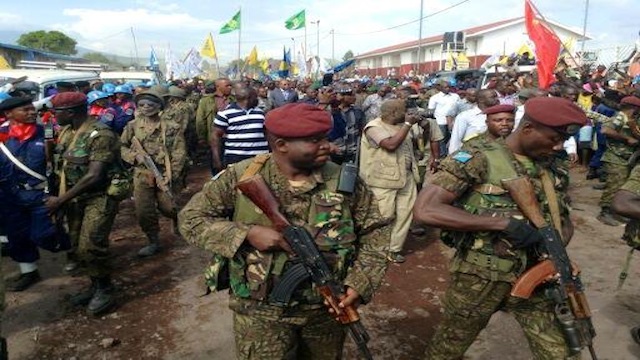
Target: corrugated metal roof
[[40, 52]]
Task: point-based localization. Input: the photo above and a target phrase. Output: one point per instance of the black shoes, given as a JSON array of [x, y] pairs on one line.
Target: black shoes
[[24, 281]]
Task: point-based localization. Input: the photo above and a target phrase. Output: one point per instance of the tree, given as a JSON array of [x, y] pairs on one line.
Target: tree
[[51, 41], [97, 57], [348, 55]]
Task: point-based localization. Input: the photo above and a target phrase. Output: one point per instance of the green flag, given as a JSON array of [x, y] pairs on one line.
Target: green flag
[[297, 21], [233, 24]]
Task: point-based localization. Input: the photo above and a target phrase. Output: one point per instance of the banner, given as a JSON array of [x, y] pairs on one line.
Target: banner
[[252, 59], [547, 46]]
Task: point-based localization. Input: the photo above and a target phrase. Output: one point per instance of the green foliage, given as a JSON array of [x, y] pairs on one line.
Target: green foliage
[[348, 55], [51, 41], [97, 57]]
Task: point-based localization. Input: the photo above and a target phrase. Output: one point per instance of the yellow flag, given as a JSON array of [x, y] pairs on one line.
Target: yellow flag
[[264, 65], [252, 59], [524, 48], [208, 49], [3, 63]]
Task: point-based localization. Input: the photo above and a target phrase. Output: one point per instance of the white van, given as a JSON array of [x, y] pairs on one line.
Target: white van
[[39, 82], [133, 77]]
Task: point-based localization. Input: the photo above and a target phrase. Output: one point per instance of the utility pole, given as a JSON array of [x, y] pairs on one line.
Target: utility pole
[[420, 35], [333, 43], [135, 46], [584, 27]]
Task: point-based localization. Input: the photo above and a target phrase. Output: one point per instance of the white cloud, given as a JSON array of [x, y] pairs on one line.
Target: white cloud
[[9, 21]]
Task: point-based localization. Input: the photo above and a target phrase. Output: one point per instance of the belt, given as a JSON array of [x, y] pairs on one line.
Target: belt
[[40, 186], [490, 262]]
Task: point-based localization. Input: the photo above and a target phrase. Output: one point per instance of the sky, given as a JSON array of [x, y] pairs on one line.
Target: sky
[[358, 25]]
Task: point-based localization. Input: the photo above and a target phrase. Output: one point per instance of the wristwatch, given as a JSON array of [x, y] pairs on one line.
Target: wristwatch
[[408, 124]]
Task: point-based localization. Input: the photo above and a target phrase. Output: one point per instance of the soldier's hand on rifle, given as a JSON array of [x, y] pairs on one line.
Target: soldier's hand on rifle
[[632, 141], [140, 159], [266, 239], [53, 204], [520, 234], [350, 298]]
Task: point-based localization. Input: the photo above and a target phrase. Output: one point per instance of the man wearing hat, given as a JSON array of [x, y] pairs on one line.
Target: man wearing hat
[[304, 182], [499, 124], [623, 138], [162, 139], [88, 155], [491, 238], [23, 188]]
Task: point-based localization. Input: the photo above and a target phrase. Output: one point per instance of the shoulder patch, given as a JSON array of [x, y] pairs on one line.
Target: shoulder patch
[[462, 156]]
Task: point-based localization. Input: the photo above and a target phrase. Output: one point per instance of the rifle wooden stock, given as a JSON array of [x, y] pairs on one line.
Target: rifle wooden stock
[[542, 272], [151, 166], [257, 190], [523, 193]]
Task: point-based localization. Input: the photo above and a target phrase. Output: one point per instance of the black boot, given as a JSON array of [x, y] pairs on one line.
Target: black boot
[[24, 281], [151, 249], [102, 299], [606, 217], [592, 174], [4, 352], [83, 297]]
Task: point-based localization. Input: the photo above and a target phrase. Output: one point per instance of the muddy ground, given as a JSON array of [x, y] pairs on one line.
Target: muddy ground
[[163, 315]]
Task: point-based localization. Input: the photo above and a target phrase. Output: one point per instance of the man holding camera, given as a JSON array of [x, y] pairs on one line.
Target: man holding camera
[[388, 166]]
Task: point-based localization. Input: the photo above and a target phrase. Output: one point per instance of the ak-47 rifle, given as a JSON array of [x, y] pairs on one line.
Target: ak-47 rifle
[[151, 166], [571, 307], [309, 262]]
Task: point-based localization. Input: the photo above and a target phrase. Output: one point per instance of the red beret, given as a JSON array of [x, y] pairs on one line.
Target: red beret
[[298, 120], [630, 100], [502, 108], [558, 113], [67, 100]]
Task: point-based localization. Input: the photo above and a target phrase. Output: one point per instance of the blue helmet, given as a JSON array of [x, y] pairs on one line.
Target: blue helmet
[[122, 89], [108, 88], [92, 96]]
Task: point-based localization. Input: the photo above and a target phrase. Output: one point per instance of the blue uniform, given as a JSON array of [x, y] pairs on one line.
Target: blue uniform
[[22, 211]]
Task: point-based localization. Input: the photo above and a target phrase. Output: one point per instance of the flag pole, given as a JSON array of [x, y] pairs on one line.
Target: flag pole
[[215, 54], [553, 31], [239, 38]]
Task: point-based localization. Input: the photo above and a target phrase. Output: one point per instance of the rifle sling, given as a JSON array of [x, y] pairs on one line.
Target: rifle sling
[[552, 199], [255, 166]]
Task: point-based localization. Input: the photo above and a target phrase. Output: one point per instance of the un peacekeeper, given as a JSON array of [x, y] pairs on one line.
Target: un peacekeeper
[[623, 137], [626, 202], [88, 154], [349, 230], [500, 122], [162, 138], [494, 246]]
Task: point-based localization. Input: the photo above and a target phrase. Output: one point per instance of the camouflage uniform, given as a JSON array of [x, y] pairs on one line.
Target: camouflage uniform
[[353, 238], [616, 158], [147, 196], [482, 274], [91, 214], [184, 113]]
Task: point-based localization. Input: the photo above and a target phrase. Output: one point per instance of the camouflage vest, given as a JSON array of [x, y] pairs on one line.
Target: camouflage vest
[[73, 157], [253, 274]]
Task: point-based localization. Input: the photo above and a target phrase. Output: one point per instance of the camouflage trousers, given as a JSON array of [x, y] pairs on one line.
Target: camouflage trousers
[[470, 302], [148, 201], [90, 221], [616, 176], [268, 332]]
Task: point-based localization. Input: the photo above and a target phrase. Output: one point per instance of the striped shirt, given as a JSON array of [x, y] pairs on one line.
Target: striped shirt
[[244, 130]]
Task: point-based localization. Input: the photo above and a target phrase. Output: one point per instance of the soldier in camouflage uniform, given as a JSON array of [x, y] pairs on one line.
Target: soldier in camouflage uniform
[[500, 122], [623, 137], [348, 229], [625, 203], [183, 112], [87, 154], [161, 135], [494, 243]]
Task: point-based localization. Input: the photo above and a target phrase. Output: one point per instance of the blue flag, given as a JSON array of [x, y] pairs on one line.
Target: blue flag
[[153, 60], [285, 64]]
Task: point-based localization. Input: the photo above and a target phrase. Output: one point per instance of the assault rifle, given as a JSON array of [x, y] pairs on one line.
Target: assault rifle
[[309, 262], [571, 307], [151, 166]]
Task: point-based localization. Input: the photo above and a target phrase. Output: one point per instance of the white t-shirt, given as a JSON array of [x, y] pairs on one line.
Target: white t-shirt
[[441, 104]]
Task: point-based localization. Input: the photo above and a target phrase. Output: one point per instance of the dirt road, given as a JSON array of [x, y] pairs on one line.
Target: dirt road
[[163, 315]]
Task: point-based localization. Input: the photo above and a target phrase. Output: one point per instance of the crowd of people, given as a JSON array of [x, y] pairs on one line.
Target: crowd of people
[[66, 165]]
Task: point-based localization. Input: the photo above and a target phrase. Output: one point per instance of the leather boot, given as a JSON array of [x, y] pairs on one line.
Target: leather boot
[[24, 281], [151, 249], [4, 353], [83, 297], [607, 218], [102, 299], [592, 174]]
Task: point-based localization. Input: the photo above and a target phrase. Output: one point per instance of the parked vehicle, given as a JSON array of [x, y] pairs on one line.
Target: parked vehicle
[[39, 83]]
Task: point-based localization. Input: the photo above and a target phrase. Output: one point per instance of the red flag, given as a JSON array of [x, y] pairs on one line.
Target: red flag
[[547, 45]]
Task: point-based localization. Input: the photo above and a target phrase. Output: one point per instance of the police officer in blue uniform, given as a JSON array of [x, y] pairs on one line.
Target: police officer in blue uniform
[[23, 188]]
